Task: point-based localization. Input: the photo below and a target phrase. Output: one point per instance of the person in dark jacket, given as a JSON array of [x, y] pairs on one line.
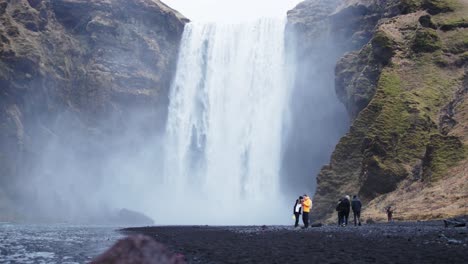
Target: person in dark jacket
[[346, 209], [356, 206], [390, 210], [340, 211], [297, 210], [343, 210]]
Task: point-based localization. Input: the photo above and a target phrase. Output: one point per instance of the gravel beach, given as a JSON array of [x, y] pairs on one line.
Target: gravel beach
[[418, 242]]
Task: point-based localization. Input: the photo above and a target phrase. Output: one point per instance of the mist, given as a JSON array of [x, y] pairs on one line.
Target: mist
[[249, 120], [315, 118], [228, 11]]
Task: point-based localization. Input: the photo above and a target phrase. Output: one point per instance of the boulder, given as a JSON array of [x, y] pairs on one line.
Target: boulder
[[138, 249], [129, 217]]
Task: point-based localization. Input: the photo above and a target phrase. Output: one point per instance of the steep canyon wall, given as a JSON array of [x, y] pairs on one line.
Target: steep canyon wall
[[80, 82], [403, 83]]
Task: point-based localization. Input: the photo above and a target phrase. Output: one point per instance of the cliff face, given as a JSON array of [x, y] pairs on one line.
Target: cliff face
[[75, 69], [405, 89], [316, 118]]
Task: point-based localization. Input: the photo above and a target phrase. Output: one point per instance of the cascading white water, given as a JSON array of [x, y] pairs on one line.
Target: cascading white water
[[223, 142]]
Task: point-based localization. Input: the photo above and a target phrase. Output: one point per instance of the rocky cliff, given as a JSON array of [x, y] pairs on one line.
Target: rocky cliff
[[75, 72], [404, 83]]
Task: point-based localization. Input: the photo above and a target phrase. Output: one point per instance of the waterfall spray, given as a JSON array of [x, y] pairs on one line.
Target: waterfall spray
[[224, 129]]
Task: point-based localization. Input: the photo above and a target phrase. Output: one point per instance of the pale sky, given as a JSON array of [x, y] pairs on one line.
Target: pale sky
[[231, 10]]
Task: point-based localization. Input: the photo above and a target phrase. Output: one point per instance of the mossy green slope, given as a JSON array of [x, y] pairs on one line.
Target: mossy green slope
[[398, 136]]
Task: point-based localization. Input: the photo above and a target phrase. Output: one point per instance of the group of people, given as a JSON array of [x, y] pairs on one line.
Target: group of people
[[302, 206], [344, 206]]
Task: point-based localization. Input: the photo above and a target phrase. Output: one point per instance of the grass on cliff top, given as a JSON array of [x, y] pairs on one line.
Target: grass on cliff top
[[457, 18], [441, 6], [433, 6], [448, 14]]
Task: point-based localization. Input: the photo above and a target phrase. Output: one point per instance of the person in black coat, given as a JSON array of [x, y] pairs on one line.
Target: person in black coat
[[390, 210], [340, 210], [346, 209], [297, 210], [356, 206], [343, 208]]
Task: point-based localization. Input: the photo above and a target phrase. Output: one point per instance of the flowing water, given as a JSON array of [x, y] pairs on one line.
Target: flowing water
[[224, 129], [20, 243]]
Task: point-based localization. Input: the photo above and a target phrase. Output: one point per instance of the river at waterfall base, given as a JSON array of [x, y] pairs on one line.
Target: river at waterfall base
[[56, 243]]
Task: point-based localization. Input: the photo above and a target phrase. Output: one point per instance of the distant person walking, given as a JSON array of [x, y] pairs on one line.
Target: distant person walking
[[297, 210], [306, 207], [356, 206], [390, 210]]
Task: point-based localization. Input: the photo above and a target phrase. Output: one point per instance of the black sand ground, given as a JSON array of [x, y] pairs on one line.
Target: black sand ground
[[379, 243]]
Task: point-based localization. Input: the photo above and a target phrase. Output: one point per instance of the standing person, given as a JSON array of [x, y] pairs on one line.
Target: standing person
[[346, 209], [340, 210], [306, 205], [356, 206], [390, 212], [297, 209]]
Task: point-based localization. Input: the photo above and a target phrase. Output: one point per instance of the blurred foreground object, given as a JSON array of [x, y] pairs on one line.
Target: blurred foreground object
[[139, 249]]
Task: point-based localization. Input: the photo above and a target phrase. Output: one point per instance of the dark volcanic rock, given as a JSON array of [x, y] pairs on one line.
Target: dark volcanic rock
[[354, 21], [138, 249], [311, 19], [327, 244]]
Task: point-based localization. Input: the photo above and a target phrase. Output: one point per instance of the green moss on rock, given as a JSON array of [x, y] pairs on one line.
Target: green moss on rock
[[439, 6], [397, 135], [463, 59], [356, 77], [450, 23], [380, 178], [383, 46], [410, 6], [456, 41], [442, 153], [393, 132], [393, 117], [432, 6], [426, 40]]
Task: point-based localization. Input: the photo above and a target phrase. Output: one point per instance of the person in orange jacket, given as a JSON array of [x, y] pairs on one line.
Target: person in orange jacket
[[306, 207]]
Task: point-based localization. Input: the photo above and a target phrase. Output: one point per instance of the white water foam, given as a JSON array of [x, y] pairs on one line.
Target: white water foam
[[224, 129]]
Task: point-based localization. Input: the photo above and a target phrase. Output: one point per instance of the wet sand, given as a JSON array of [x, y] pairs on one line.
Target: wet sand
[[422, 242]]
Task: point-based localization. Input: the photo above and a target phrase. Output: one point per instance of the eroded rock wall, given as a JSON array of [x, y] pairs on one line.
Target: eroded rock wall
[[77, 73], [400, 80]]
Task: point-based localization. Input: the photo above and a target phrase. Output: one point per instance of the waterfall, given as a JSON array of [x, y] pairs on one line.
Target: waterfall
[[224, 129]]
